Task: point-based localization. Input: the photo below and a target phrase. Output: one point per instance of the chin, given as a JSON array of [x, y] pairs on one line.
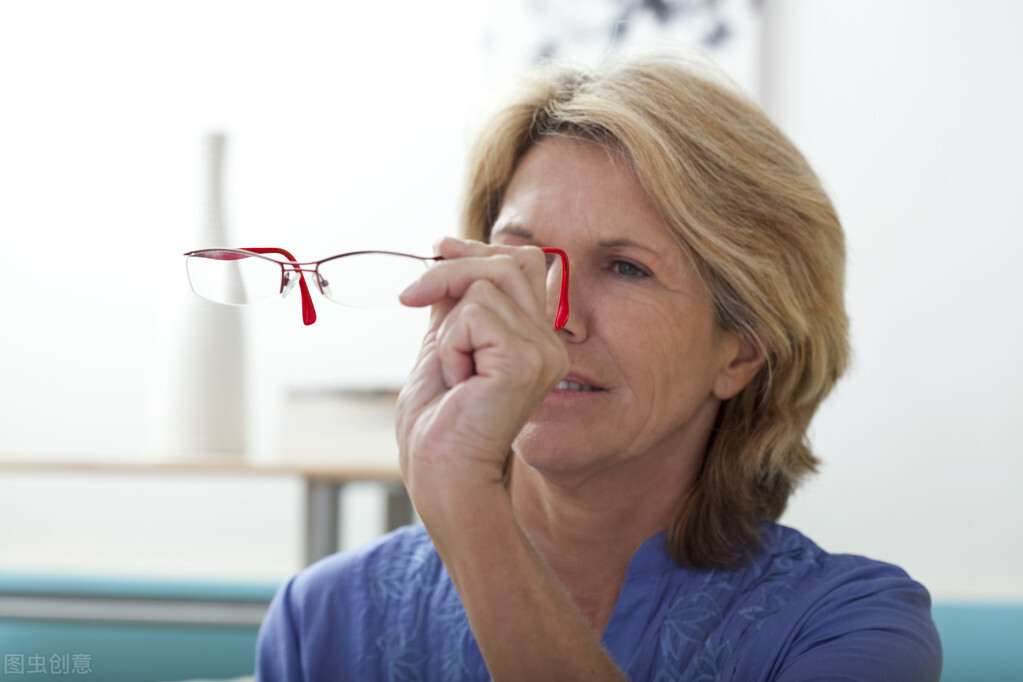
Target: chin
[[552, 451]]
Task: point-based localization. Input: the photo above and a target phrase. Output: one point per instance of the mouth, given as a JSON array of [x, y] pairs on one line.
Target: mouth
[[576, 382], [566, 385], [575, 389]]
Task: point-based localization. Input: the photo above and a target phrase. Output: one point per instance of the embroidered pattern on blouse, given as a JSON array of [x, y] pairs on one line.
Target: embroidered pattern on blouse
[[699, 638], [691, 645], [415, 568]]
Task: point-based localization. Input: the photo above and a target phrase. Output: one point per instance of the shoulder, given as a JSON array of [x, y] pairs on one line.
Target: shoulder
[[789, 571], [844, 613], [790, 612], [822, 580], [801, 563], [336, 614], [400, 558]]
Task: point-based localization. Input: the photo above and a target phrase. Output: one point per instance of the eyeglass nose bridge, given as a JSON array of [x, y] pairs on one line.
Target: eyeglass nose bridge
[[294, 271], [287, 281], [292, 274]]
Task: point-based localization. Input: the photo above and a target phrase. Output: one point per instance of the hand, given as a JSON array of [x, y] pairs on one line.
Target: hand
[[490, 356]]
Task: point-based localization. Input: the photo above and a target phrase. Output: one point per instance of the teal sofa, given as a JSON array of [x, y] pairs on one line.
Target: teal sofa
[[166, 631], [981, 642], [128, 630]]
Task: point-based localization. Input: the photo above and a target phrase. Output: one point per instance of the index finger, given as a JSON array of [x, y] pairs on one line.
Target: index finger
[[520, 272]]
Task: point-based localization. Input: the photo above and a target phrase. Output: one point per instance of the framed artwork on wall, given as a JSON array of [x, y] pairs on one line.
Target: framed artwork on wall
[[522, 33]]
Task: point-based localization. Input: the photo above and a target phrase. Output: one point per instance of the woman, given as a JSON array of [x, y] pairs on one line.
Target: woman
[[599, 501]]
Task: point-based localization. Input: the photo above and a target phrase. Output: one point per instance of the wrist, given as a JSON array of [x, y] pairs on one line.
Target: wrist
[[463, 522]]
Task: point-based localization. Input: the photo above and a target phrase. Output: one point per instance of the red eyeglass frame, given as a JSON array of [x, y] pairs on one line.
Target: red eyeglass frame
[[309, 310]]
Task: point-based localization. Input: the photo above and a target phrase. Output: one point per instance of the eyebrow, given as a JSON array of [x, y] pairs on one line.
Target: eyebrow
[[615, 243], [514, 231], [523, 233]]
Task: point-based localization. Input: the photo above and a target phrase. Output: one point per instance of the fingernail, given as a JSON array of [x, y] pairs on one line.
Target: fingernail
[[445, 374]]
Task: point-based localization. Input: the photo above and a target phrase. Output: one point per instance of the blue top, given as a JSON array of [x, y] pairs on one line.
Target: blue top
[[389, 611]]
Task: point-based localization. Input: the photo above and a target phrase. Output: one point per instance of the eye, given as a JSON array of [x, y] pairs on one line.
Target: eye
[[628, 269]]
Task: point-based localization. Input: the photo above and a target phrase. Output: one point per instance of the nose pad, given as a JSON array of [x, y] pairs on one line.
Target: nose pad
[[553, 301], [288, 283], [324, 286]]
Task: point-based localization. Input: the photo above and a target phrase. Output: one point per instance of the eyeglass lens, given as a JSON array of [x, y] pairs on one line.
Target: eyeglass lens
[[232, 278], [362, 280], [368, 280]]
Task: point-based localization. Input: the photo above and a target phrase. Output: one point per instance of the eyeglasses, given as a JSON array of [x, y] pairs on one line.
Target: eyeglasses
[[361, 279]]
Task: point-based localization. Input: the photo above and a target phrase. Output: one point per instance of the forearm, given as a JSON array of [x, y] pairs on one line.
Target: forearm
[[524, 621], [488, 360]]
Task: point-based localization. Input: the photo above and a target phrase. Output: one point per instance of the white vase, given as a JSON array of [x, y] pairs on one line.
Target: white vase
[[197, 405]]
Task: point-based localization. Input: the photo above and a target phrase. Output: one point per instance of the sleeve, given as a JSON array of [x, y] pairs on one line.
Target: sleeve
[[874, 627], [278, 655]]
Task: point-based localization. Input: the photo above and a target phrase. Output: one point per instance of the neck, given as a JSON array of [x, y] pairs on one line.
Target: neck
[[588, 532], [607, 510]]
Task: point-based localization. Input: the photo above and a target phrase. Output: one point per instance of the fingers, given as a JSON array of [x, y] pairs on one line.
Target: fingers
[[488, 334], [519, 272], [489, 323], [486, 301], [500, 365], [489, 358]]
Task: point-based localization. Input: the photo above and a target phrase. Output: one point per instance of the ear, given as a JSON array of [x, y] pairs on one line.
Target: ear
[[743, 361]]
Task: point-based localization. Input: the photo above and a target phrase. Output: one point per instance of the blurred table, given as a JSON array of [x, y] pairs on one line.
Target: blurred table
[[323, 483]]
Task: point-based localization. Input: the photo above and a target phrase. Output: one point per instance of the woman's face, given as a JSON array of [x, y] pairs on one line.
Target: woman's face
[[649, 365]]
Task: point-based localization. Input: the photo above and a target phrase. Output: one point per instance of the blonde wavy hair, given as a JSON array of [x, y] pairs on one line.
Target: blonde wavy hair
[[748, 209]]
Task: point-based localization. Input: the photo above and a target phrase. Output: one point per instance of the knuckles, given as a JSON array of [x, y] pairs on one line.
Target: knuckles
[[520, 345]]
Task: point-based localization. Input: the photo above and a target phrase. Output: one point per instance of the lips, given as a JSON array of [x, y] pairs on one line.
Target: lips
[[574, 382]]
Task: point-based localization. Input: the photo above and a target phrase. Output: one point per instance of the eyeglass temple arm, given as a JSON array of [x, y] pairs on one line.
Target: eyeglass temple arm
[[561, 317], [308, 311]]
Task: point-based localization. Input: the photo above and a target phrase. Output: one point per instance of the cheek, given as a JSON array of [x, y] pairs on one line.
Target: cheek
[[650, 344], [669, 372]]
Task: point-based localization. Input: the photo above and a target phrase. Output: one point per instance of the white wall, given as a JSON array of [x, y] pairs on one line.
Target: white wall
[[345, 125], [908, 110]]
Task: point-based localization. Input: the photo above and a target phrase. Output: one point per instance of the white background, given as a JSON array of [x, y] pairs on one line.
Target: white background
[[346, 126]]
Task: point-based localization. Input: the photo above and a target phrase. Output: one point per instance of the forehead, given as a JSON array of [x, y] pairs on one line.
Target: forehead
[[563, 183], [570, 162]]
